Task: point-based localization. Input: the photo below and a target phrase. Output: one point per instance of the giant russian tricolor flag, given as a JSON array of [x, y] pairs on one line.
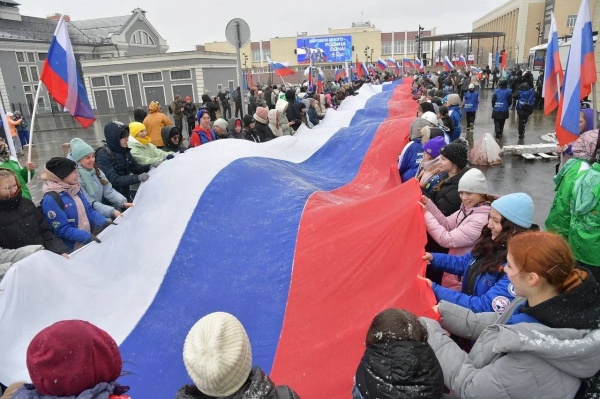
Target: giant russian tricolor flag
[[59, 74], [580, 73], [280, 69], [554, 75], [304, 239]]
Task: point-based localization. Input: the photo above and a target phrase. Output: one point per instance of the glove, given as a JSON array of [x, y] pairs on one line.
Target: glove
[[108, 223], [170, 156], [94, 238], [143, 177], [155, 164], [182, 151]]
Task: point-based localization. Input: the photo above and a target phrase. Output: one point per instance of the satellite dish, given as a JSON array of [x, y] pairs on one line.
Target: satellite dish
[[237, 33]]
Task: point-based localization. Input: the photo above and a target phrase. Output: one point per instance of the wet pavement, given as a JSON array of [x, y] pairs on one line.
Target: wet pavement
[[513, 175]]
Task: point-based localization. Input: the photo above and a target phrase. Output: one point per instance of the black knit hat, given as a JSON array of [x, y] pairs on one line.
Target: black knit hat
[[457, 153], [61, 167]]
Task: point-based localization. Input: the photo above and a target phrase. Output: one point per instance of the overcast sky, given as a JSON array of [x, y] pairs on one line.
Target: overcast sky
[[186, 23]]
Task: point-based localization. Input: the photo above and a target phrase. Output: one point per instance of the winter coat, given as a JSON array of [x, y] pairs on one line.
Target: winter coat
[[200, 136], [189, 110], [231, 128], [501, 102], [410, 159], [459, 231], [559, 217], [117, 163], [281, 106], [251, 135], [176, 109], [454, 112], [490, 292], [584, 230], [264, 132], [64, 220], [397, 370], [445, 194], [166, 133], [293, 115], [154, 122], [313, 117], [146, 154], [273, 123], [471, 101], [104, 193], [523, 360], [21, 224], [212, 107], [257, 386], [102, 390], [21, 173]]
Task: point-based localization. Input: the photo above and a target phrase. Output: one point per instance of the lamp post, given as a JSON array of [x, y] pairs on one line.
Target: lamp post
[[517, 54], [540, 34], [367, 54], [246, 69], [418, 39]]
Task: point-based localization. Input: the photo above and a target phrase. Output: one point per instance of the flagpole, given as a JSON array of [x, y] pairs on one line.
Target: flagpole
[[594, 102], [33, 113], [4, 122]]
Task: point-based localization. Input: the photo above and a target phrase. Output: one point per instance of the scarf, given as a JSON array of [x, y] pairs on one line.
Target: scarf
[[87, 180], [53, 183], [143, 140], [4, 153]]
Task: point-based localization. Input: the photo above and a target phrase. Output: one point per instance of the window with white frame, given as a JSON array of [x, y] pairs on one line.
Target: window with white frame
[[410, 46], [24, 74], [180, 75], [20, 56], [425, 47], [255, 55], [141, 37], [34, 73], [571, 21], [42, 56], [41, 101], [399, 47], [152, 76], [98, 81], [31, 57], [266, 53], [386, 47], [115, 80]]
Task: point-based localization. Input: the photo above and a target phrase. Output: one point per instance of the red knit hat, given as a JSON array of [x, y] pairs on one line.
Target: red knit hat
[[72, 356]]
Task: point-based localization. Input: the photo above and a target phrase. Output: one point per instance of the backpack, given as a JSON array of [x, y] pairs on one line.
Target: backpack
[[56, 197]]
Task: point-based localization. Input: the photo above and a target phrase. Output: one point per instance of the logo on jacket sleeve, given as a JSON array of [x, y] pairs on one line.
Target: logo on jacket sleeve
[[51, 215], [500, 303], [511, 289]]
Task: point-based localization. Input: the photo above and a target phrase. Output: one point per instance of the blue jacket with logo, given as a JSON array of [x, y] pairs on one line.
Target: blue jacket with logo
[[64, 221], [410, 160], [492, 292], [502, 99], [454, 112], [471, 101]]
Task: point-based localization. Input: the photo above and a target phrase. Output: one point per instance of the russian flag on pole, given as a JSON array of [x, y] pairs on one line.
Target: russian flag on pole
[[448, 64], [365, 70], [475, 69], [554, 75], [462, 60], [381, 64], [332, 210], [579, 76], [407, 62], [419, 64], [280, 69], [360, 72], [59, 74], [397, 67], [391, 62]]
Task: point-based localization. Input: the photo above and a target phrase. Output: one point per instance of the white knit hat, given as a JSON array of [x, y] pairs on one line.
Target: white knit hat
[[217, 354], [473, 181], [430, 117]]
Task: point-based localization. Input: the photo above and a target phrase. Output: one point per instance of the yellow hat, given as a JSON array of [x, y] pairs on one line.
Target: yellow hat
[[135, 128]]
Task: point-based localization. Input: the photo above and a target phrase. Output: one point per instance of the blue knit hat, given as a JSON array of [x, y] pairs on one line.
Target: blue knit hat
[[200, 113], [80, 149], [516, 207]]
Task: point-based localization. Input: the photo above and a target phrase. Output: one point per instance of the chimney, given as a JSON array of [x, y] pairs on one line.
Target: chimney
[[56, 17], [9, 10]]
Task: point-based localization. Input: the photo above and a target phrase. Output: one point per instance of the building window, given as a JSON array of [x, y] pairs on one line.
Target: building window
[[255, 55], [41, 102], [24, 74], [410, 46], [116, 80], [99, 81], [267, 53], [142, 37], [399, 47], [152, 76], [386, 47], [20, 56], [571, 21], [42, 56], [27, 88], [425, 47], [34, 73], [219, 87], [181, 75], [230, 85], [31, 57]]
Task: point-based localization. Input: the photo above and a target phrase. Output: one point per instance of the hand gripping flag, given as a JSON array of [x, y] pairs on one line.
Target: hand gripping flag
[[59, 74], [554, 75], [579, 76], [337, 217], [280, 69]]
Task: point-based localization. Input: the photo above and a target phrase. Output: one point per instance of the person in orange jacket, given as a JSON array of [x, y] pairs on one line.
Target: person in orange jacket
[[154, 123]]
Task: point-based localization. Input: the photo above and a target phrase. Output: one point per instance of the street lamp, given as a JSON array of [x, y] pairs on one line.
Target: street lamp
[[540, 34], [367, 54], [517, 54], [418, 39]]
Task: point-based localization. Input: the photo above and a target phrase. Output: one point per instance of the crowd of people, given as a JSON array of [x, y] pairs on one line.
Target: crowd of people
[[518, 307]]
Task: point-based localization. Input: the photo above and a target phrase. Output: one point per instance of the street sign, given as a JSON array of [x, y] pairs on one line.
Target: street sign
[[237, 33]]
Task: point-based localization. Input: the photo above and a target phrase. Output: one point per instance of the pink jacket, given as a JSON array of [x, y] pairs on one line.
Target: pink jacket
[[459, 231]]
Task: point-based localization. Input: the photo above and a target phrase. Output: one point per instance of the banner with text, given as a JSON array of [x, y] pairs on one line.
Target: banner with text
[[324, 49]]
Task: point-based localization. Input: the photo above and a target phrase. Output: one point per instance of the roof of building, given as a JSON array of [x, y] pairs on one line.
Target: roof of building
[[10, 2], [90, 31]]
